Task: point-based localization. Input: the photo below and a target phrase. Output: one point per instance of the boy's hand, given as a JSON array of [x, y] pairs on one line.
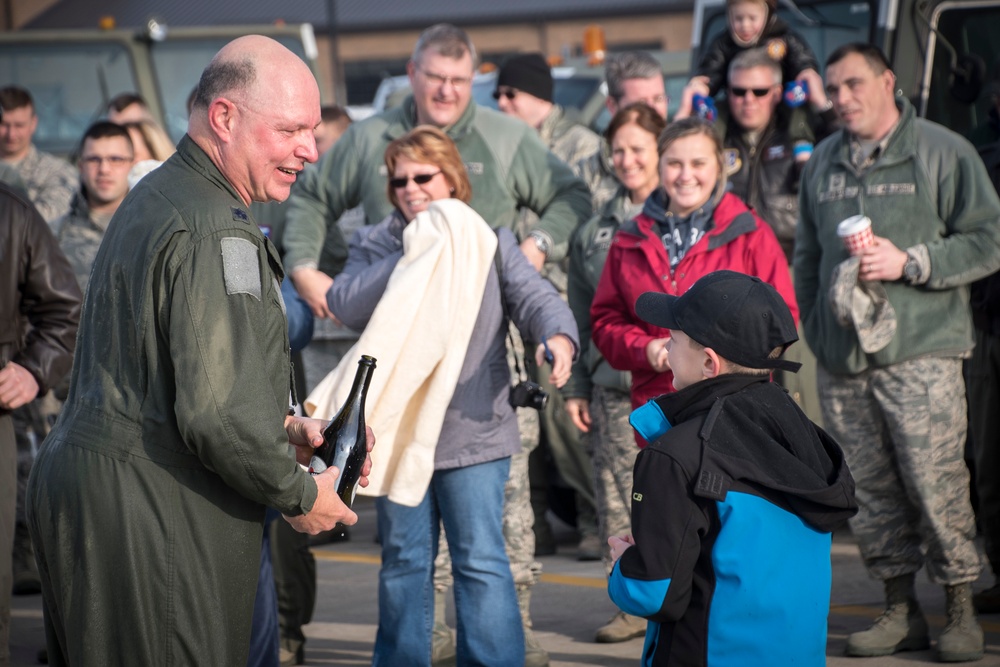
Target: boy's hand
[[618, 544], [656, 354], [558, 351]]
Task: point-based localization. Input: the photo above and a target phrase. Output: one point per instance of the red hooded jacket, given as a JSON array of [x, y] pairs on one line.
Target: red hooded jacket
[[637, 262]]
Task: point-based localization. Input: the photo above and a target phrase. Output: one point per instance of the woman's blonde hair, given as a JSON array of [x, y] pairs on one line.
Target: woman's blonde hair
[[429, 145], [689, 127], [157, 141]]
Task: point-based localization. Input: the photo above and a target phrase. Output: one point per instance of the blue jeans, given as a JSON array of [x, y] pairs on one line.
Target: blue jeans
[[470, 503], [264, 634], [300, 318]]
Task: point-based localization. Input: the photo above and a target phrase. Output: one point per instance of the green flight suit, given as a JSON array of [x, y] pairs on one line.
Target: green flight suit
[[146, 503]]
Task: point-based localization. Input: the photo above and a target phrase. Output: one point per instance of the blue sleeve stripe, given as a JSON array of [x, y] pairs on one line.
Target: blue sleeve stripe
[[649, 421], [639, 598]]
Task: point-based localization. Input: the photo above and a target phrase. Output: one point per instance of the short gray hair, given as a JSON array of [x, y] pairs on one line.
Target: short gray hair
[[225, 77], [752, 59], [620, 67], [446, 39]]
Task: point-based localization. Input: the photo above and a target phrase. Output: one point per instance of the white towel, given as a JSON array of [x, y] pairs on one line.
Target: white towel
[[419, 333]]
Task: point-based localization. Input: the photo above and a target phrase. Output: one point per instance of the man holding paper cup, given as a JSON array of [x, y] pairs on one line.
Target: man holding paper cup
[[897, 217]]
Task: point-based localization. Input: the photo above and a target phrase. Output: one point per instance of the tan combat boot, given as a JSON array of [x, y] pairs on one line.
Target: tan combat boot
[[442, 640], [962, 639], [534, 654], [901, 627], [620, 628]]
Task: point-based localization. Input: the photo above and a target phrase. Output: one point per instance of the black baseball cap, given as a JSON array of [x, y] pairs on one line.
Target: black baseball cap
[[741, 317]]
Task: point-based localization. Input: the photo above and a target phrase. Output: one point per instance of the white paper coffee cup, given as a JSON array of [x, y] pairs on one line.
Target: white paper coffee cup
[[856, 233]]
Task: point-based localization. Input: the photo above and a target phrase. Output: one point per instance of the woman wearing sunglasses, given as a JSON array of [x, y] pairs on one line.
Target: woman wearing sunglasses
[[688, 228], [479, 433]]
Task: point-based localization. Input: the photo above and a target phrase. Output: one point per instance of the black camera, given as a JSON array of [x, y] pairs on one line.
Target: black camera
[[528, 394]]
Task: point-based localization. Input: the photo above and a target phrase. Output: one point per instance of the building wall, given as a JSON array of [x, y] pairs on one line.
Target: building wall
[[389, 50], [15, 13]]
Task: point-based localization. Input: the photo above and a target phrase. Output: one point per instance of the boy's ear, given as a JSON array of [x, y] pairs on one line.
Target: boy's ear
[[712, 364]]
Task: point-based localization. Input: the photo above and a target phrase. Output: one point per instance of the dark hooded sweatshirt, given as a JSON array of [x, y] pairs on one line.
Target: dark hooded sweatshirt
[[732, 511]]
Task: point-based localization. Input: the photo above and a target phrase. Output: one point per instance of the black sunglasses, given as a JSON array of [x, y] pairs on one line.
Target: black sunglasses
[[509, 93], [419, 179], [742, 92]]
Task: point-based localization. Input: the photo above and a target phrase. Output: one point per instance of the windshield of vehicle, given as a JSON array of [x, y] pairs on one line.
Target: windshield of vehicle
[[569, 90], [178, 64], [975, 32], [70, 84]]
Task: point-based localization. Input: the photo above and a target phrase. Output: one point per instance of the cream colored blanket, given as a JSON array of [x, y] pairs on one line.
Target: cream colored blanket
[[419, 333]]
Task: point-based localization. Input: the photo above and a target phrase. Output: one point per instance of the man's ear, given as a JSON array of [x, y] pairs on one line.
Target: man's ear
[[711, 364], [222, 118]]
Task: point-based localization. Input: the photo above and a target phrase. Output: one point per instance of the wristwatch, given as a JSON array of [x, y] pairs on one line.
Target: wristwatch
[[911, 270], [541, 242]]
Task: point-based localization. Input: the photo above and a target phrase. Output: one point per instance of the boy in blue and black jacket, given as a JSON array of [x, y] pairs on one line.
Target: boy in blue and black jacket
[[734, 503]]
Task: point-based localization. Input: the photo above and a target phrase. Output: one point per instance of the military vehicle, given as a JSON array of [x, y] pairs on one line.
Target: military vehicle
[[72, 74]]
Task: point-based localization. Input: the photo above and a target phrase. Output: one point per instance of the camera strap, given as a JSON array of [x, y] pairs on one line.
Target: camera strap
[[498, 262]]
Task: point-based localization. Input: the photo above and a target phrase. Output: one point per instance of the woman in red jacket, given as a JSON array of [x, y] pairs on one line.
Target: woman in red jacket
[[688, 228]]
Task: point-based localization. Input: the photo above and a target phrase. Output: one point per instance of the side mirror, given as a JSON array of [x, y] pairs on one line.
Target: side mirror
[[968, 74]]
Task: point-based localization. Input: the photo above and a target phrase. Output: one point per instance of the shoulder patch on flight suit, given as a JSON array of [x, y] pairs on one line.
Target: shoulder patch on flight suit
[[731, 160], [239, 214], [241, 267]]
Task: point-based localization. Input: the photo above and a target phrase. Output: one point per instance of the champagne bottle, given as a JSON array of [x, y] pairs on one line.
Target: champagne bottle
[[344, 440]]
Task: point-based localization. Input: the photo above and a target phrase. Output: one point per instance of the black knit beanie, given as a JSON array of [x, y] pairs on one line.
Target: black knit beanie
[[528, 73]]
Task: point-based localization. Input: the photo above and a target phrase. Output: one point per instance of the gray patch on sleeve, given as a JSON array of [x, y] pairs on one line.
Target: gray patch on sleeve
[[241, 267]]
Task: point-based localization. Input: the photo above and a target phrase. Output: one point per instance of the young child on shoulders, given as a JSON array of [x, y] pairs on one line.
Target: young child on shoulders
[[753, 24], [735, 500]]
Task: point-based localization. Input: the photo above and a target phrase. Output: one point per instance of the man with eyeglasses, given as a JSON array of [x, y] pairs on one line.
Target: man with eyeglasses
[[50, 181], [508, 165], [633, 76], [105, 159]]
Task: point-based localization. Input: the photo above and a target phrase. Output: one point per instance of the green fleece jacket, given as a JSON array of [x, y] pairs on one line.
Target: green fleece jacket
[[508, 168], [928, 192]]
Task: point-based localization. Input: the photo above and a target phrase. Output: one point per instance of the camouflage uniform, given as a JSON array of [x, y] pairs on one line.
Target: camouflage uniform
[[613, 450], [80, 235], [596, 171], [51, 183], [903, 432], [610, 441], [571, 143]]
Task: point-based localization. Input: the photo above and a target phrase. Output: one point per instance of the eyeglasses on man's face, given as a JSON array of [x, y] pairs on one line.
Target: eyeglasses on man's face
[[509, 93], [441, 80], [113, 160], [757, 92], [419, 179]]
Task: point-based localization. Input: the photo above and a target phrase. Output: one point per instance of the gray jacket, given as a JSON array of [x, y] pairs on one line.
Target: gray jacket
[[479, 424]]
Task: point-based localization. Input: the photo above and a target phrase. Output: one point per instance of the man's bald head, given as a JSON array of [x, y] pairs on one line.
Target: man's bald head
[[238, 67], [254, 112]]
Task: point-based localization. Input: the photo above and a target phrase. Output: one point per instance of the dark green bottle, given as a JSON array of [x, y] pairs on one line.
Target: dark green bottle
[[344, 442]]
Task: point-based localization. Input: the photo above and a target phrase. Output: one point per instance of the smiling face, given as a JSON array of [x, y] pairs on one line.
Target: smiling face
[[636, 163], [650, 91], [273, 137], [746, 22], [864, 100], [104, 165], [442, 87], [16, 129], [689, 171], [753, 113], [415, 197]]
